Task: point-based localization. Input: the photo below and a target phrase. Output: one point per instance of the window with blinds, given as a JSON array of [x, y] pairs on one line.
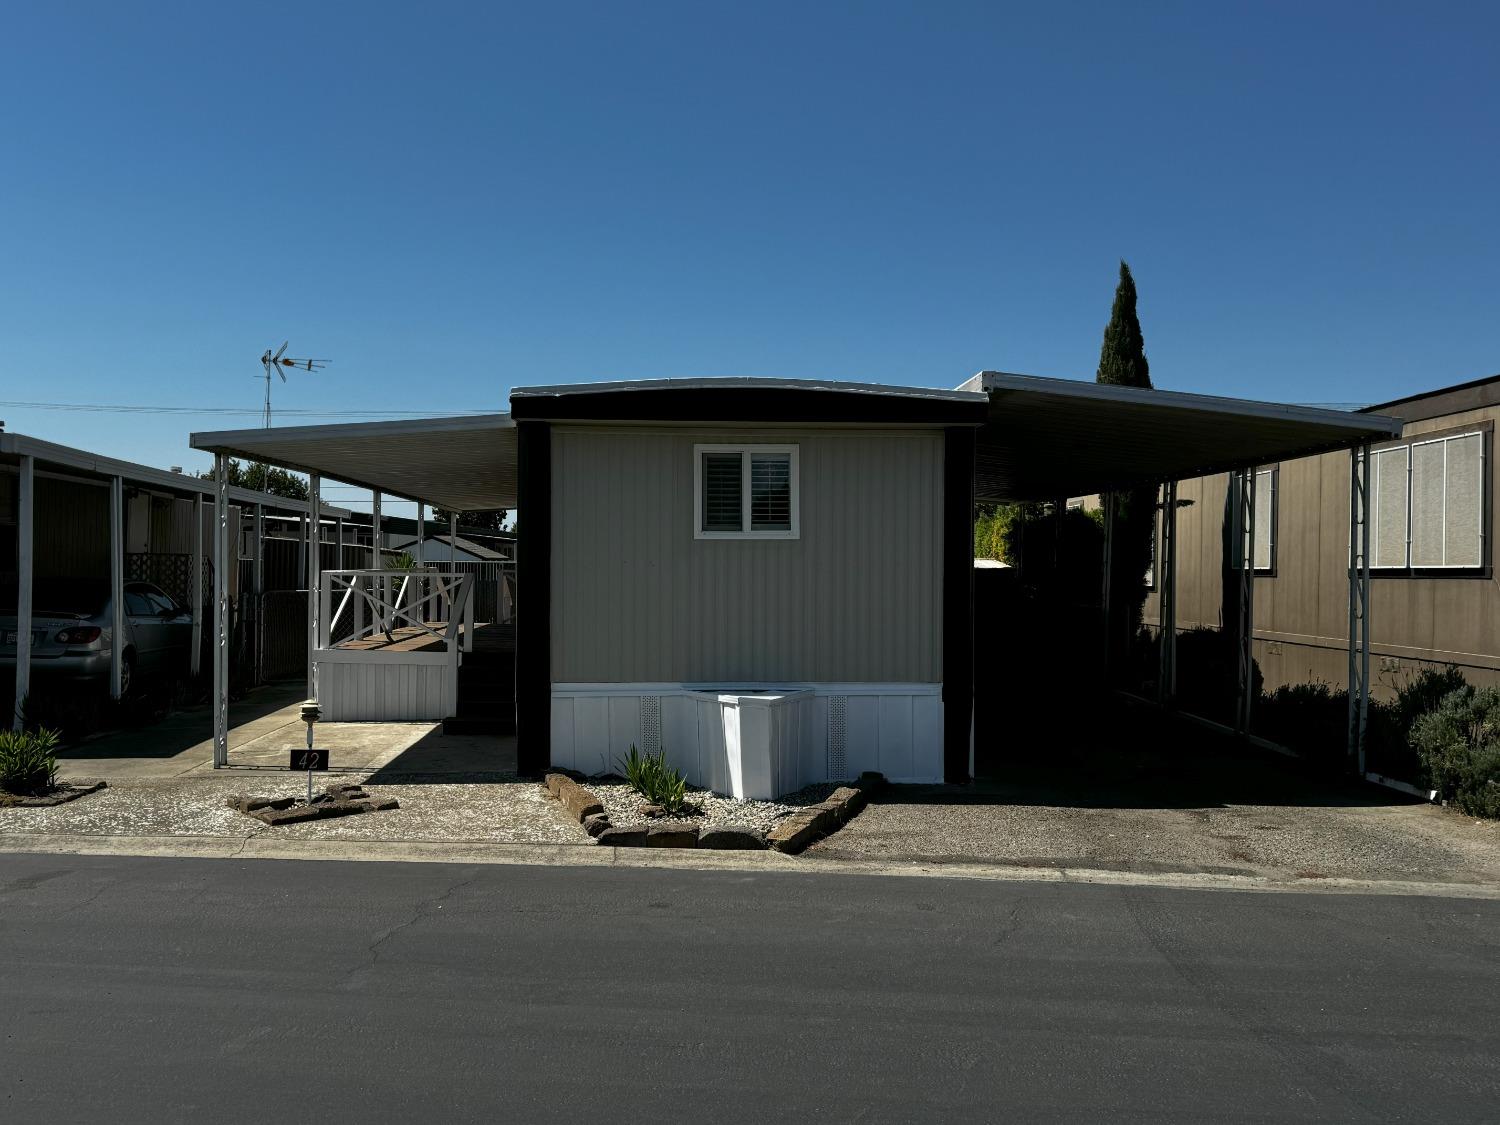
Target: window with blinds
[[722, 494], [1258, 542], [1427, 504], [745, 492]]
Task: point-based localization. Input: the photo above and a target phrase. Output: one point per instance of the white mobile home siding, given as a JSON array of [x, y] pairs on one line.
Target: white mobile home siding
[[637, 599]]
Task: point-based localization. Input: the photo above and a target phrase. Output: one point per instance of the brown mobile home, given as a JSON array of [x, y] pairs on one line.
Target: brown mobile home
[[1434, 598]]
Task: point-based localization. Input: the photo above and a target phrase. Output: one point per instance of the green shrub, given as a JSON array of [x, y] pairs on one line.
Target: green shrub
[[1311, 720], [28, 761], [651, 777], [1459, 748], [1388, 745]]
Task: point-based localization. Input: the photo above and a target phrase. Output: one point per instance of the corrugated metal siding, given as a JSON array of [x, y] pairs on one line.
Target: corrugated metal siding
[[636, 598]]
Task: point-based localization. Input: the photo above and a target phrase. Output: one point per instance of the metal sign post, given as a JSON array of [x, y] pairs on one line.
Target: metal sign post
[[310, 759]]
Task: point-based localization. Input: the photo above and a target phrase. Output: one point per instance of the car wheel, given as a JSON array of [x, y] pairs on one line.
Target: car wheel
[[127, 673]]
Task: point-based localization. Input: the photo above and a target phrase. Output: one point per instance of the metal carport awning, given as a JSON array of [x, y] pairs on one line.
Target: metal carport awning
[[465, 464], [1049, 438]]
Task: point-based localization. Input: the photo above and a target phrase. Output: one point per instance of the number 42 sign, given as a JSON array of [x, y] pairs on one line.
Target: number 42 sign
[[309, 759]]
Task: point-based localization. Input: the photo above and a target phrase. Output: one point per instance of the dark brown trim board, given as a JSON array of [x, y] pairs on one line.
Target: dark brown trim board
[[747, 404], [534, 589], [958, 602]]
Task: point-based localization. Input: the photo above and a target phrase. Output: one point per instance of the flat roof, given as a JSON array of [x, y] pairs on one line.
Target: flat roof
[[87, 463], [739, 399], [1046, 438], [464, 464]]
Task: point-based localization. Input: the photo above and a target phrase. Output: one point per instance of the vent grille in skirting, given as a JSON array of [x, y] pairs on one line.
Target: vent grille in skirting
[[650, 724], [838, 731]]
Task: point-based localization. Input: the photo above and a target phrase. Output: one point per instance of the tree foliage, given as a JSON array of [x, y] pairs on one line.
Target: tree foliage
[[492, 520], [1122, 362], [263, 478]]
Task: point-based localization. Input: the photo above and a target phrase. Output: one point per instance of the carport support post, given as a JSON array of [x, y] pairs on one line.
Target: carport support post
[[221, 611], [1245, 545], [1109, 559], [258, 583], [1166, 599], [116, 584], [378, 584], [314, 575], [25, 541], [196, 659], [1359, 603]]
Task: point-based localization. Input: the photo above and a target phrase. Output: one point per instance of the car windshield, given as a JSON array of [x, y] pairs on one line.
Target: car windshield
[[51, 595]]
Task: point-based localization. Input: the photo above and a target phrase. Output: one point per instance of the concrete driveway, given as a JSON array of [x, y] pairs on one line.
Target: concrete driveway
[[1194, 809], [263, 728]]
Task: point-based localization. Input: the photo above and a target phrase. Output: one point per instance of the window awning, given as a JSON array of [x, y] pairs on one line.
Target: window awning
[[463, 464], [1048, 438]]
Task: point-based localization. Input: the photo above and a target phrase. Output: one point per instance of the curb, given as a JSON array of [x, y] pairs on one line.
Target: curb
[[582, 854]]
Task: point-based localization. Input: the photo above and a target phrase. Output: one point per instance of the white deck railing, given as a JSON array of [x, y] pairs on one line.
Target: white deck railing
[[387, 681]]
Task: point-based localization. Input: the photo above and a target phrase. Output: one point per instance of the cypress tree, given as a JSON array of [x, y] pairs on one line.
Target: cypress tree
[[1122, 362]]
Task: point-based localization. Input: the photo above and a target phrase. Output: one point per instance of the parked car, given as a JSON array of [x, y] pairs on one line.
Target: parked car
[[72, 624]]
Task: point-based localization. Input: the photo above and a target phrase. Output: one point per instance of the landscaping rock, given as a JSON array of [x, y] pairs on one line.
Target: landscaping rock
[[633, 836], [671, 836], [553, 780], [577, 800], [732, 836], [651, 812], [595, 823], [336, 800], [59, 794], [795, 832], [847, 802]]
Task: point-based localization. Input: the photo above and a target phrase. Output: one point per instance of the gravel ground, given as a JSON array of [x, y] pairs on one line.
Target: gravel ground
[[505, 812], [623, 805], [1408, 842]]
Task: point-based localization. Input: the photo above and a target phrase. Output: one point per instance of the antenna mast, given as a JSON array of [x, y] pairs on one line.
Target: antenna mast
[[277, 363]]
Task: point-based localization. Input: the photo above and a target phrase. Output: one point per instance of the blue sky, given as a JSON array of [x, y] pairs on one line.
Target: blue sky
[[451, 200]]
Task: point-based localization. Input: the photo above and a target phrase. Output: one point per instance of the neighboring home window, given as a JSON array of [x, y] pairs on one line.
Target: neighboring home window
[[1427, 504], [1259, 542], [745, 492]]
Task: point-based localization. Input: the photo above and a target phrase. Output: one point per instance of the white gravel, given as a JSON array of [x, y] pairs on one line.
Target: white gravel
[[624, 805]]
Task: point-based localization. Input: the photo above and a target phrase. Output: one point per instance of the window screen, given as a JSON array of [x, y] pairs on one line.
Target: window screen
[[770, 492], [1463, 500], [1264, 553], [1427, 488], [721, 492], [1388, 486]]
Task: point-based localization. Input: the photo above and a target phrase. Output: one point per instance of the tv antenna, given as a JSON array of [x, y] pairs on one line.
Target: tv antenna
[[279, 363]]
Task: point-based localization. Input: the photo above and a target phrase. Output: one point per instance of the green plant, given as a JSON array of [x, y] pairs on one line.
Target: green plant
[[651, 777], [1389, 749], [402, 562], [1459, 748], [1311, 719], [28, 761]]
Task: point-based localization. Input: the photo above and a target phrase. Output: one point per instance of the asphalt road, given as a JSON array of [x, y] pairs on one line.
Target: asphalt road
[[135, 990]]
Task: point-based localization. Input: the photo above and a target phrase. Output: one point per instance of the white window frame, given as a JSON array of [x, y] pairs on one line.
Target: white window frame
[[1408, 568], [747, 450]]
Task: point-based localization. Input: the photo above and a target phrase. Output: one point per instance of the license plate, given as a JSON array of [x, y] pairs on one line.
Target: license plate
[[36, 637]]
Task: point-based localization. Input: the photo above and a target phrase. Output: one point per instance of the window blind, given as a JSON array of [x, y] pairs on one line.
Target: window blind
[[1427, 488], [721, 492], [1463, 497], [1388, 486], [770, 492], [1263, 554]]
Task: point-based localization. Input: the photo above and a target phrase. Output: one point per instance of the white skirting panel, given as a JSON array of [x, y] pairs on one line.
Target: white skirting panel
[[386, 691], [734, 740]]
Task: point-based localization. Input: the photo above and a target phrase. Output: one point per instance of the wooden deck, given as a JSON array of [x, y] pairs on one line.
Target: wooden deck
[[488, 637]]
